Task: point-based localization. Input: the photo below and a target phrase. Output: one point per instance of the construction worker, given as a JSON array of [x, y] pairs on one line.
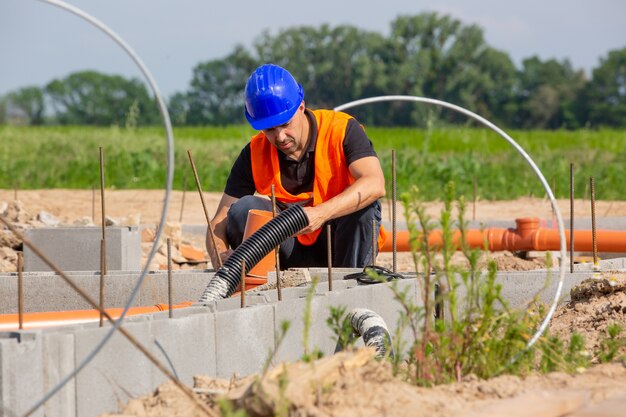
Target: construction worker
[[319, 159]]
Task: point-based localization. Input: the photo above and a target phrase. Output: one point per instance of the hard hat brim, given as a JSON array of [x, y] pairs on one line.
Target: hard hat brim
[[272, 121]]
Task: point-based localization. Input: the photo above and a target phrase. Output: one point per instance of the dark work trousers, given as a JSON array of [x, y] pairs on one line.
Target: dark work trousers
[[351, 236]]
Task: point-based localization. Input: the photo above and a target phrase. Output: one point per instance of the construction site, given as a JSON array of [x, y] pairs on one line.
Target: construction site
[[110, 304]]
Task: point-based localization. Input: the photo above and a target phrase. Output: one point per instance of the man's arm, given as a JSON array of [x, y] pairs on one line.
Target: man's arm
[[368, 187], [218, 224]]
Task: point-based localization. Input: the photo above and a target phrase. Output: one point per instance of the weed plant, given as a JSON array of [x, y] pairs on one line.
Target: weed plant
[[461, 325]]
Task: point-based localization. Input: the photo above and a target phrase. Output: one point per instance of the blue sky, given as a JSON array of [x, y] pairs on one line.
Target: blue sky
[[40, 42]]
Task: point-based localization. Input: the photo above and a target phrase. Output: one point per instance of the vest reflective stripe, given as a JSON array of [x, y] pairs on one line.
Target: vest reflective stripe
[[331, 171]]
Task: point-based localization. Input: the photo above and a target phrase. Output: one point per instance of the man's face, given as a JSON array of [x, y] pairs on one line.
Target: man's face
[[290, 138]]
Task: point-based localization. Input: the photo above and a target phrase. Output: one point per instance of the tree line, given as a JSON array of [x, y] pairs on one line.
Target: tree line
[[428, 55]]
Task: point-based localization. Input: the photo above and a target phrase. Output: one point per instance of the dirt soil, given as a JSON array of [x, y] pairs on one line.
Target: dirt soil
[[45, 208], [353, 383]]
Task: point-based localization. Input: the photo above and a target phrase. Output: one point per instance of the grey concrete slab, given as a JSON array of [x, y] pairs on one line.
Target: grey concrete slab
[[338, 273], [244, 339], [610, 264], [186, 286], [234, 303], [45, 291], [116, 373], [58, 362], [181, 312], [385, 302], [320, 336], [78, 248], [338, 285], [518, 288], [186, 344], [21, 367], [271, 296]]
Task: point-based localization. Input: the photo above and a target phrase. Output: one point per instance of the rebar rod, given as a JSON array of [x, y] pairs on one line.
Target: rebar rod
[[374, 240], [329, 256], [394, 228], [169, 277], [279, 284], [243, 283], [182, 203], [593, 222], [102, 274], [20, 289], [206, 213], [121, 329], [103, 214], [571, 217], [474, 197]]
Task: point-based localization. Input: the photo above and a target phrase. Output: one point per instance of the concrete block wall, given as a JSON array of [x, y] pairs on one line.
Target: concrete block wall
[[46, 291], [217, 340], [21, 372], [78, 248]]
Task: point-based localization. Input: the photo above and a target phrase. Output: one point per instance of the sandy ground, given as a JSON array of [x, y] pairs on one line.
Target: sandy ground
[[68, 205], [144, 207]]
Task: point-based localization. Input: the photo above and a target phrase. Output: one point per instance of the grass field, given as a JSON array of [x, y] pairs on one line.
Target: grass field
[[68, 157]]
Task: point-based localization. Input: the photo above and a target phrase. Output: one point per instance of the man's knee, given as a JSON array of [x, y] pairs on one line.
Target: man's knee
[[238, 215]]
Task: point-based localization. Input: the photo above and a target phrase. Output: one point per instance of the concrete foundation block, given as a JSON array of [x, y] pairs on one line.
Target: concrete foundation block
[[244, 338], [58, 362], [21, 367], [357, 297], [118, 371], [385, 303], [186, 286], [338, 273], [338, 285], [271, 296], [186, 344], [78, 248], [518, 288], [320, 336], [233, 303]]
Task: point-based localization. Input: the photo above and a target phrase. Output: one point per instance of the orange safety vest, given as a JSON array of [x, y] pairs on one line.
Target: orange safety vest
[[331, 171]]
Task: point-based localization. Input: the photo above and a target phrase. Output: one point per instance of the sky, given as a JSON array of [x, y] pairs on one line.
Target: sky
[[40, 42]]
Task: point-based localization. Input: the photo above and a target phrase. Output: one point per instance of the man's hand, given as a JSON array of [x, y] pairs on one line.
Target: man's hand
[[317, 217], [218, 249]]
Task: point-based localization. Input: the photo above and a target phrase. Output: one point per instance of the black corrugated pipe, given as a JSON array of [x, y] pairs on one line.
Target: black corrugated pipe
[[372, 327], [253, 249]]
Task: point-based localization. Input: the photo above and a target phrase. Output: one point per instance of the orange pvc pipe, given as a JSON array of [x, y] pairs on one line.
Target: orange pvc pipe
[[9, 322], [527, 236], [256, 219]]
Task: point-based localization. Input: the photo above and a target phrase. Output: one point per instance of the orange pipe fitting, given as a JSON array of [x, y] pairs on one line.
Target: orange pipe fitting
[[526, 237], [9, 322], [256, 219]]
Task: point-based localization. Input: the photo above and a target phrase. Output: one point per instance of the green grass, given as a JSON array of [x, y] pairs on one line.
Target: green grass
[[68, 157]]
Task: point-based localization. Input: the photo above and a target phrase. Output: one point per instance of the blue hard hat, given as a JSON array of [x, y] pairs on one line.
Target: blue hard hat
[[272, 97]]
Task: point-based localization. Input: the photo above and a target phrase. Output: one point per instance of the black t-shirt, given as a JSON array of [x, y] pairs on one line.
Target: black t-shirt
[[297, 176]]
